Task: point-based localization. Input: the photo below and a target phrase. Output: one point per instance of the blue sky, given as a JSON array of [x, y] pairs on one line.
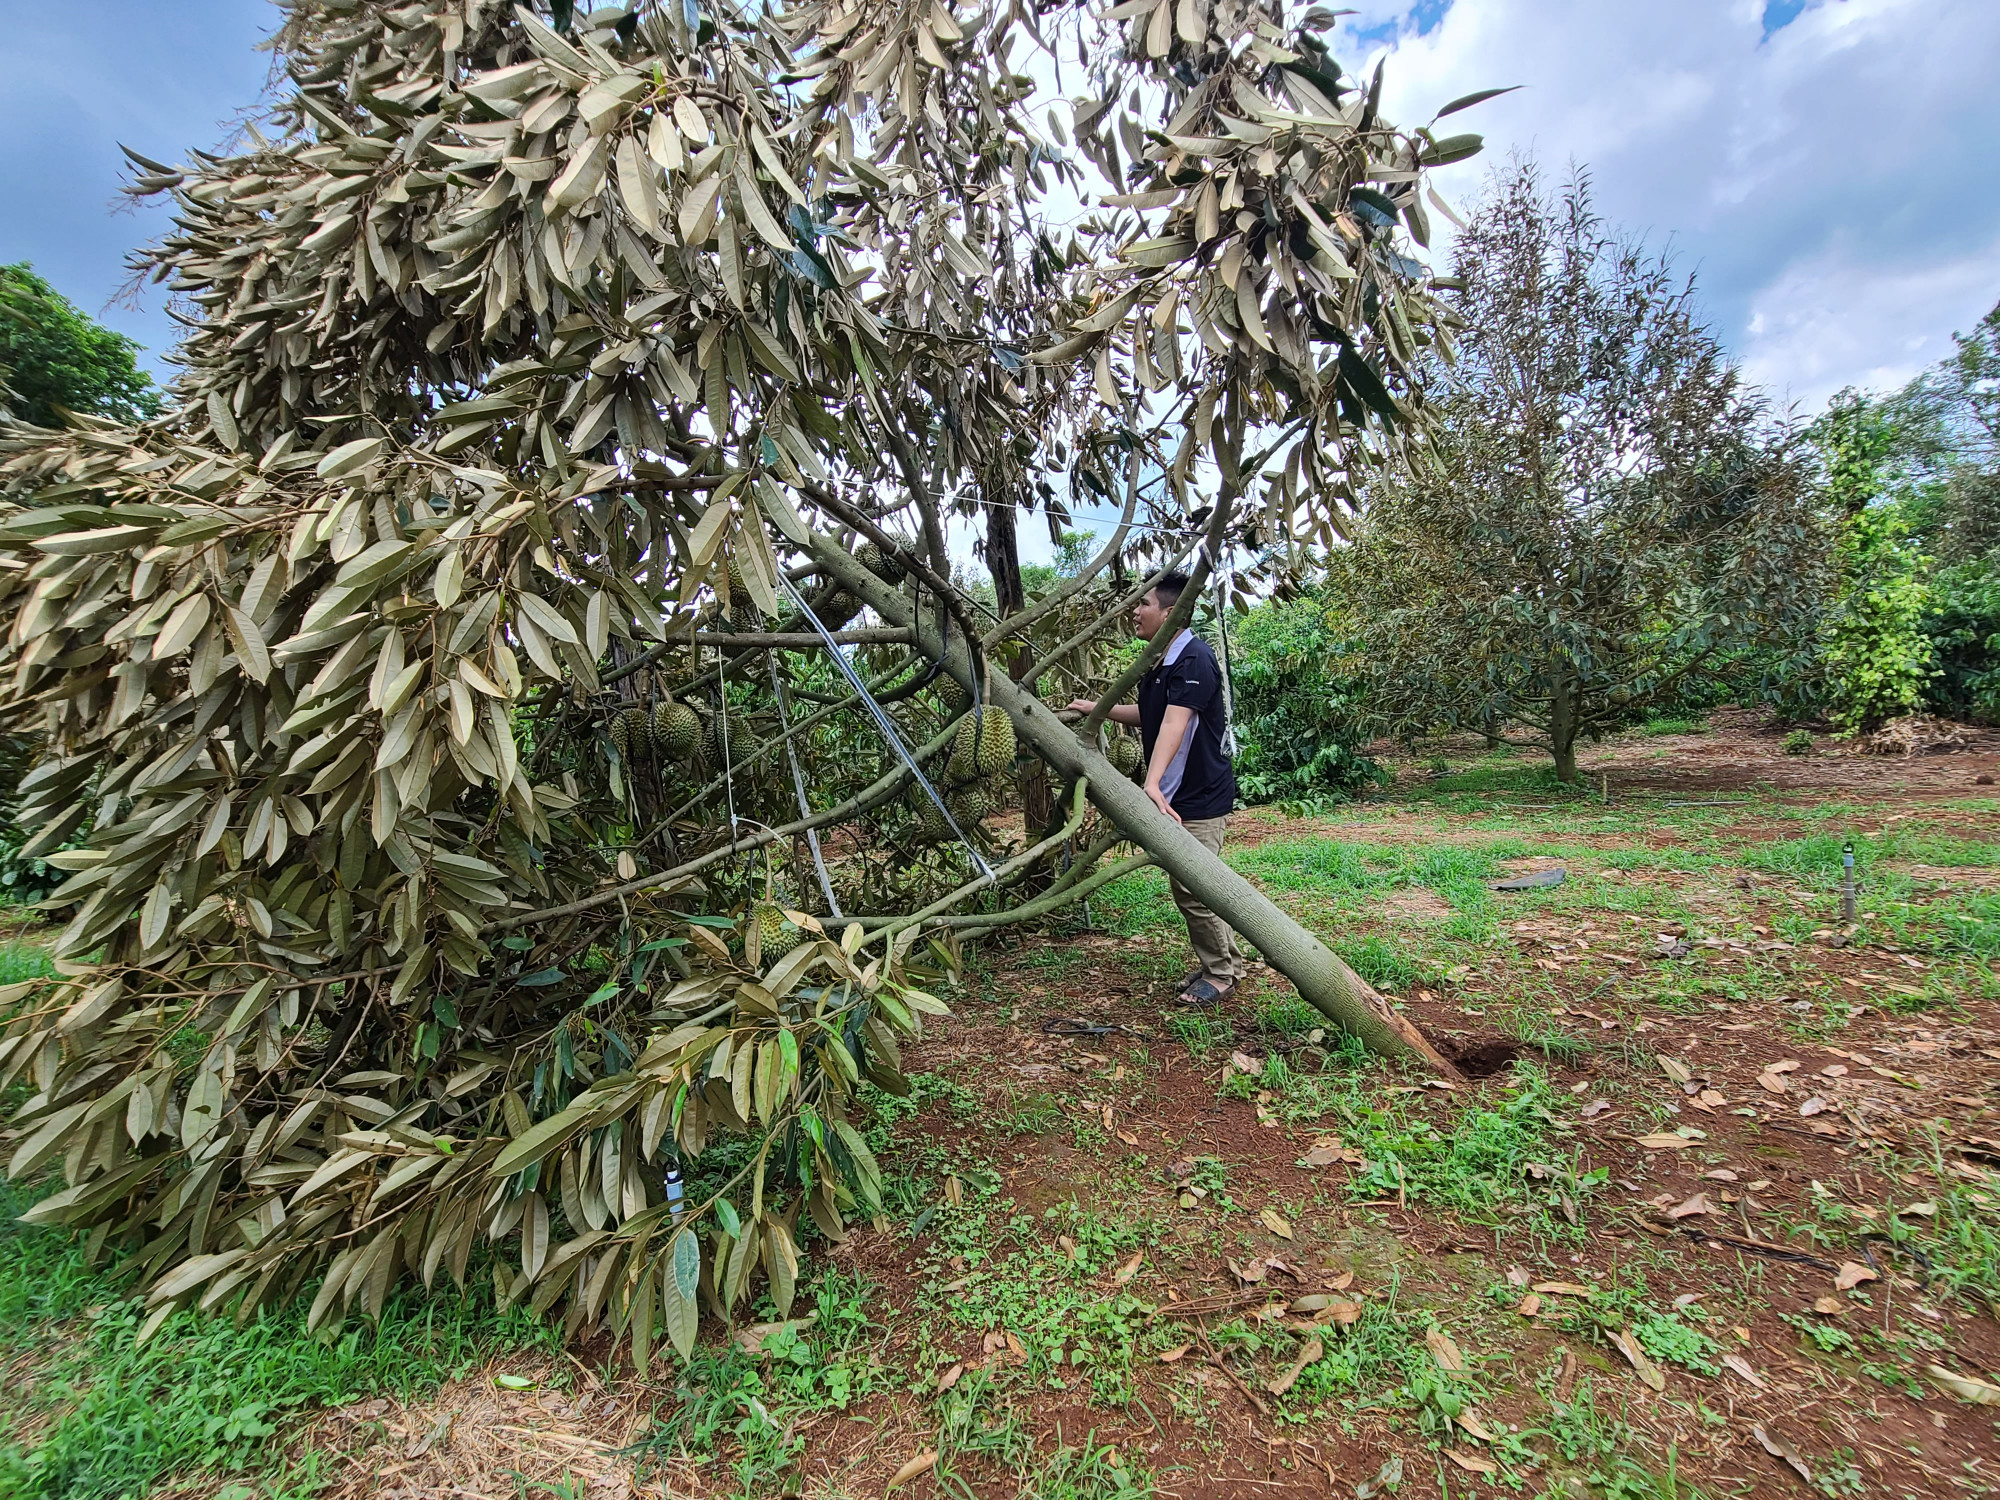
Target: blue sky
[[1827, 167], [76, 79]]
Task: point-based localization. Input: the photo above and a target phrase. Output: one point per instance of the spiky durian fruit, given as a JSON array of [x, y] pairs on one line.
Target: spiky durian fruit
[[632, 734], [676, 731], [983, 746], [1123, 753], [970, 804], [993, 750], [931, 826], [777, 934], [743, 741]]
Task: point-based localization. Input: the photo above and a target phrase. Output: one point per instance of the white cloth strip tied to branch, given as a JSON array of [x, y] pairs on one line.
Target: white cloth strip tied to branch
[[887, 725]]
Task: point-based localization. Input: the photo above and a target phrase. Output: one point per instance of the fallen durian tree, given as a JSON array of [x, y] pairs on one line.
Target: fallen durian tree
[[433, 709]]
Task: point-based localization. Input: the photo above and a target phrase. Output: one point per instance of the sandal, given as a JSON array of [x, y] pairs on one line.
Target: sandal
[[1204, 992]]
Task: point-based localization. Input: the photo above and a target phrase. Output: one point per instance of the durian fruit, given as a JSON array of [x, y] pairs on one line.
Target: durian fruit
[[1123, 753], [955, 699], [743, 741], [776, 932], [883, 567], [676, 731], [993, 751], [632, 734], [983, 746], [741, 605], [969, 804], [836, 608], [931, 826]]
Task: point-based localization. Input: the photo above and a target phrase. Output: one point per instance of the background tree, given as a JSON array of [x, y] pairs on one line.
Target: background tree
[[1604, 514], [1300, 697], [54, 359], [444, 672], [1913, 485]]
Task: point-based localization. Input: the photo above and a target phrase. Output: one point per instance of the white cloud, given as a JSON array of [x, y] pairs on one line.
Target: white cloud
[[1833, 183]]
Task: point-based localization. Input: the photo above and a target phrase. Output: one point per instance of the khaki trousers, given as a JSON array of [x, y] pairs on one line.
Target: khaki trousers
[[1214, 944]]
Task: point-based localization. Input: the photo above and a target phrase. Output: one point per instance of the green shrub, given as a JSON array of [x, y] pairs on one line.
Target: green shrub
[[1298, 692], [1799, 742]]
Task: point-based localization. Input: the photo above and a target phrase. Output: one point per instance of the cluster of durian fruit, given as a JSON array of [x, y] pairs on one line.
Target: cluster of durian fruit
[[670, 730], [981, 751]]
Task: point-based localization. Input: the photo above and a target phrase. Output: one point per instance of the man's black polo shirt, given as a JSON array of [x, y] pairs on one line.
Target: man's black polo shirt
[[1200, 783]]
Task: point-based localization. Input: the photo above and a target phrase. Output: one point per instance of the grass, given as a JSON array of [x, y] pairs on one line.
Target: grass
[[737, 1413], [20, 961], [103, 1415], [1506, 1160]]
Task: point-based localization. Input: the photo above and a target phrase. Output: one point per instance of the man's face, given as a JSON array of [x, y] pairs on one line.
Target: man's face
[[1149, 614]]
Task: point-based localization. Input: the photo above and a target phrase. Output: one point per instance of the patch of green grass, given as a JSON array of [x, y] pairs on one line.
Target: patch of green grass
[[201, 1394], [1137, 904], [1673, 726], [1671, 1339], [739, 1412], [19, 961], [1503, 1160], [1035, 1113], [1091, 1473], [1377, 962], [1041, 1277], [1288, 1016], [1199, 1031]]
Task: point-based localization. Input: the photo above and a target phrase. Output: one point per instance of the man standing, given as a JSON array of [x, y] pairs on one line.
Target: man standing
[[1182, 722]]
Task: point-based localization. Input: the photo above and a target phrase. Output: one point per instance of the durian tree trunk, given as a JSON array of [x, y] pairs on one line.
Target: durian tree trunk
[[1325, 982]]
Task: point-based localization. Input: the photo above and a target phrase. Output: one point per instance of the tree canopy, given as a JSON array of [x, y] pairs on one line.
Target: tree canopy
[[1606, 511], [457, 676], [53, 359]]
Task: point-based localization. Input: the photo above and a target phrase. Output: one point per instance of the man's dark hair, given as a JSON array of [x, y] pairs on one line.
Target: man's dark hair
[[1170, 588]]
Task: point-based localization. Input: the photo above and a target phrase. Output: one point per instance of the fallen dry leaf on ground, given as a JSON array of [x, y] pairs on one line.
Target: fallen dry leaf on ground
[[1386, 1478], [1275, 1222], [1130, 1269], [1473, 1423], [1664, 1142], [1980, 1392], [1779, 1448], [1175, 1354], [1284, 1382], [1472, 1463], [1852, 1274], [923, 1463], [1564, 1289], [1829, 1306], [1641, 1362], [1444, 1350], [1675, 1069], [1736, 1365], [1530, 1305], [1698, 1204]]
